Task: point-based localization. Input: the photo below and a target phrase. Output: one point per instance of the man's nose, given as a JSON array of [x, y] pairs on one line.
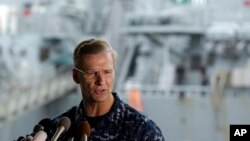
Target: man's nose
[[100, 78]]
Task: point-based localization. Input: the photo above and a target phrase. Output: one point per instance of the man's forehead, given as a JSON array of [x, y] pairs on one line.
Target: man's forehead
[[104, 57]]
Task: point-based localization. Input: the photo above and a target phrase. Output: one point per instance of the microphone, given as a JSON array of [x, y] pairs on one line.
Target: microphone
[[84, 130], [62, 127], [20, 138], [36, 129], [28, 138], [40, 136], [44, 124]]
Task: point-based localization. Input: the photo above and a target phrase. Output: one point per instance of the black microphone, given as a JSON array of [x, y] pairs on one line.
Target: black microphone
[[41, 135], [36, 129], [45, 124], [62, 126], [29, 136], [20, 138]]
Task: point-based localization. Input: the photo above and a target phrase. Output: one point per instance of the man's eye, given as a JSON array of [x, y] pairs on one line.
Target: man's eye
[[108, 71], [90, 72]]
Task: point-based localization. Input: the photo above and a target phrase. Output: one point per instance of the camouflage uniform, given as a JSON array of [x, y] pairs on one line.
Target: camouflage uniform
[[121, 123]]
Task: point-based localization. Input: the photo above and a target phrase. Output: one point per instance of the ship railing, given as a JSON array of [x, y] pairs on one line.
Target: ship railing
[[175, 91], [15, 100]]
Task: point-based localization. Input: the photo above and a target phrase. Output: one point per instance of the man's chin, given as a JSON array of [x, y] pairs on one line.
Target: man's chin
[[100, 97]]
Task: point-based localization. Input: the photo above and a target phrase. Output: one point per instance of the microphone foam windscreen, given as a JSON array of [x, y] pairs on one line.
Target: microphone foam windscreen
[[38, 128], [46, 123], [65, 122], [85, 128]]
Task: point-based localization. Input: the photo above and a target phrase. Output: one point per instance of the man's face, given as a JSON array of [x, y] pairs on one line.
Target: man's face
[[97, 81]]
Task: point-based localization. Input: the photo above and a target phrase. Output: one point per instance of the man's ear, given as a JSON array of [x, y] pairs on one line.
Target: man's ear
[[75, 76]]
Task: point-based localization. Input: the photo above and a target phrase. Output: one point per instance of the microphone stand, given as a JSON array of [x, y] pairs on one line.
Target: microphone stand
[[71, 139], [84, 137]]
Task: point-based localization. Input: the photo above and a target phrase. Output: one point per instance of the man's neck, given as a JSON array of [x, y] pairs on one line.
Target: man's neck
[[98, 108]]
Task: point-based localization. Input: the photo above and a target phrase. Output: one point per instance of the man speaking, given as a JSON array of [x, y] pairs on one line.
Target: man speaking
[[101, 115]]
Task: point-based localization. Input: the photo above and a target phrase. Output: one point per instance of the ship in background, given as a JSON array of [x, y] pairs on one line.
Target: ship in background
[[189, 60]]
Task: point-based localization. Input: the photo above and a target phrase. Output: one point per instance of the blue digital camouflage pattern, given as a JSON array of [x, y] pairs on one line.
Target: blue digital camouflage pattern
[[122, 123]]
